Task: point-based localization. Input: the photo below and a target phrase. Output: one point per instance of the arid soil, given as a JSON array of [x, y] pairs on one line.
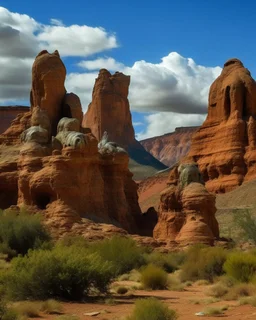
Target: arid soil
[[181, 301]]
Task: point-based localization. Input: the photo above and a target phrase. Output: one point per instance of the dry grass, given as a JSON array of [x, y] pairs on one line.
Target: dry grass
[[241, 290], [214, 311], [202, 282], [51, 307], [247, 300], [134, 275], [28, 309], [217, 290], [174, 283]]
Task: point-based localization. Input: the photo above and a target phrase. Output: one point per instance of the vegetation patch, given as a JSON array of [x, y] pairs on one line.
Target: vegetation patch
[[154, 278], [152, 309]]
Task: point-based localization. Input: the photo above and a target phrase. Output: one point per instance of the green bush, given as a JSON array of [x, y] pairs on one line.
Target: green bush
[[7, 313], [20, 233], [167, 261], [246, 222], [241, 266], [66, 273], [203, 263], [152, 309], [122, 252], [153, 277]]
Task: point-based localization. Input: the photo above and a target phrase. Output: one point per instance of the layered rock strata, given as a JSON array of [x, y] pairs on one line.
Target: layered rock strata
[[224, 146], [187, 211], [171, 147]]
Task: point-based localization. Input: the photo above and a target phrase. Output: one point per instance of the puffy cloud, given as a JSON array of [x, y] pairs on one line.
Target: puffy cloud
[[57, 22], [82, 85], [165, 122], [21, 38], [176, 88], [101, 63], [177, 84], [76, 40]]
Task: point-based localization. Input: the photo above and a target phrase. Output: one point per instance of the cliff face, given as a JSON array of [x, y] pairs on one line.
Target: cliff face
[[171, 147], [8, 114], [224, 146], [60, 168], [109, 112]]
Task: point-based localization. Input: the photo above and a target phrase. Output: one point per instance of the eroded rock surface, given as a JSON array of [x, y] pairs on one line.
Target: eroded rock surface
[[171, 147], [224, 146], [187, 210]]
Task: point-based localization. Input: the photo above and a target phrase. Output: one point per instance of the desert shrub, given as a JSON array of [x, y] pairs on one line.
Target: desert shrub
[[214, 311], [10, 314], [174, 283], [152, 309], [203, 263], [20, 233], [246, 222], [51, 306], [73, 241], [241, 290], [167, 261], [218, 290], [248, 300], [153, 277], [121, 290], [62, 273], [122, 252], [7, 313], [241, 266], [29, 309]]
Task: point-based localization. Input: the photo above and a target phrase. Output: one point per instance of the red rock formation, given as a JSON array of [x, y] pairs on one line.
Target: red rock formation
[[187, 211], [223, 147], [48, 90], [171, 147], [62, 170], [8, 114], [110, 106], [110, 111], [102, 190]]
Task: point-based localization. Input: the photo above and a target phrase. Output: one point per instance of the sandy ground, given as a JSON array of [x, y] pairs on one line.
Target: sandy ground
[[182, 302]]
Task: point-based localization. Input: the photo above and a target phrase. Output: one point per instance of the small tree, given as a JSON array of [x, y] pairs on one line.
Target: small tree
[[246, 222]]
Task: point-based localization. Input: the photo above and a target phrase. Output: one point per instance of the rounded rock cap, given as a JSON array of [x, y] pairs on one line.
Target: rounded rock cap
[[233, 61]]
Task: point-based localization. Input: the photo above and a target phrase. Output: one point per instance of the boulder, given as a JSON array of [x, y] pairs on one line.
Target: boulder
[[186, 212]]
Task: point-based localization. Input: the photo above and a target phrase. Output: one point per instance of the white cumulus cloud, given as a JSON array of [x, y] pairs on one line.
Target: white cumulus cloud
[[165, 122], [101, 63], [22, 38], [76, 40]]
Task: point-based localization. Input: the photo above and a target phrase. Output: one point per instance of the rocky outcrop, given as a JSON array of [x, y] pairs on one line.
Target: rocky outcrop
[[62, 170], [171, 147], [110, 111], [48, 90], [8, 114], [187, 211], [47, 93], [224, 146]]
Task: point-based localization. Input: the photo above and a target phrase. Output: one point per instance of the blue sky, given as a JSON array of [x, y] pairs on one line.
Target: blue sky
[[209, 32]]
